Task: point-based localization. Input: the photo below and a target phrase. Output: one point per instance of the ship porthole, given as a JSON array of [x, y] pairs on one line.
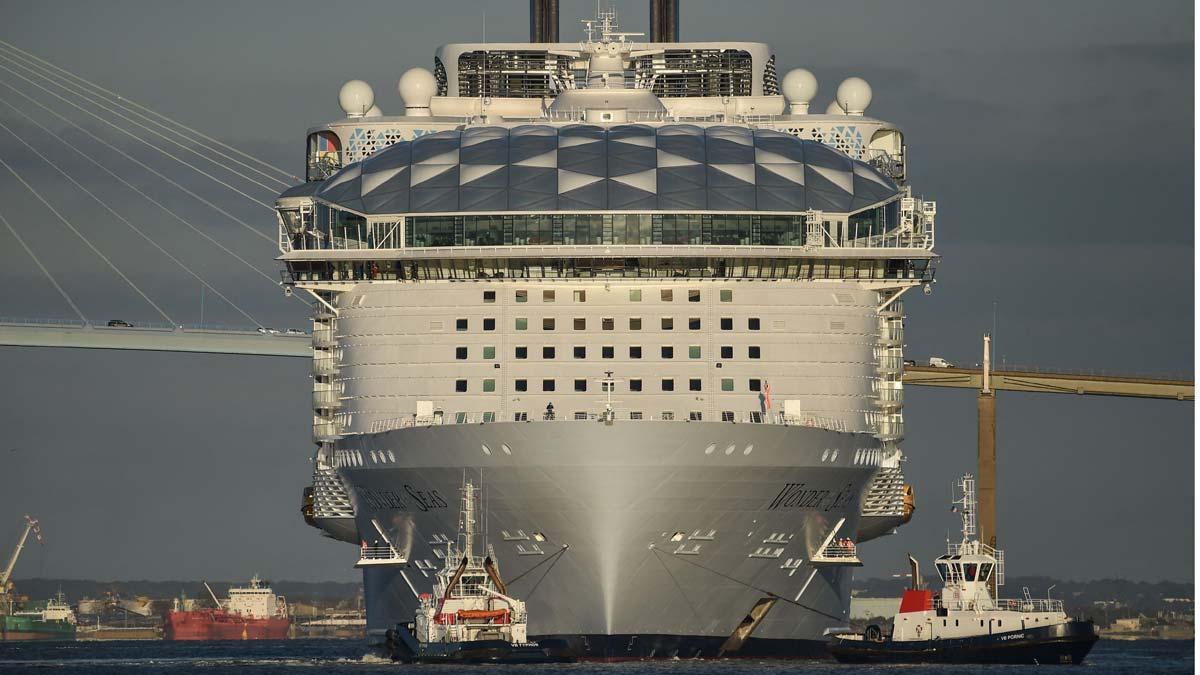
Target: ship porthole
[[486, 450], [730, 449], [507, 450], [712, 447], [749, 449]]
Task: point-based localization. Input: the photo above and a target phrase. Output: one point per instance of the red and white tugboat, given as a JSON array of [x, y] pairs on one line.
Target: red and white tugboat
[[964, 624], [469, 617]]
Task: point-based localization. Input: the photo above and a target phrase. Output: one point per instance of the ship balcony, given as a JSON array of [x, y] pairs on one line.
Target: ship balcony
[[890, 399], [891, 365], [837, 553], [325, 399], [890, 338], [379, 556], [324, 366], [325, 431], [323, 337]]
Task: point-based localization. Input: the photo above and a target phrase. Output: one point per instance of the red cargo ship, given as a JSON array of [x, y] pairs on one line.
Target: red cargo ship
[[251, 613]]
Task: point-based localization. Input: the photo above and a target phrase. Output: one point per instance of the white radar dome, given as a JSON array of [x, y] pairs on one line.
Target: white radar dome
[[375, 111], [417, 87], [834, 109], [799, 87], [854, 95], [356, 98]]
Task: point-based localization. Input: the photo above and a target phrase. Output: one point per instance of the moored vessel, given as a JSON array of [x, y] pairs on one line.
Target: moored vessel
[[964, 623], [19, 620], [252, 612]]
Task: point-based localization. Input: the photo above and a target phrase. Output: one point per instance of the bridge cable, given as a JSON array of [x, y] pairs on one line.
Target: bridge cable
[[145, 196], [88, 242], [129, 104], [139, 139], [140, 163], [53, 78], [45, 271], [133, 227]]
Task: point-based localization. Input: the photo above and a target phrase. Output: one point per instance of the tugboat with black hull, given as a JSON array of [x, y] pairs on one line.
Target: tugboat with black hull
[[965, 624], [470, 618]]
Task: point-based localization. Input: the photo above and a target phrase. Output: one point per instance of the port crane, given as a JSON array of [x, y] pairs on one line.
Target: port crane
[[31, 525]]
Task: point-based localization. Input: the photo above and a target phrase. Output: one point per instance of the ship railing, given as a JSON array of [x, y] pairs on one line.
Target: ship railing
[[1028, 605], [730, 416], [839, 552], [371, 556]]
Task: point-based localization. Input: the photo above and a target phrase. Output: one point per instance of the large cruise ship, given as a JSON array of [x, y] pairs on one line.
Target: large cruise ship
[[645, 297]]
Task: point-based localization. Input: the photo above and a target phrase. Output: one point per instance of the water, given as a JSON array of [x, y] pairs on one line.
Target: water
[[1109, 657]]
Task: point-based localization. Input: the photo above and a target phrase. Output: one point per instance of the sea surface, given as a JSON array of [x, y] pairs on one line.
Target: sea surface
[[1109, 657]]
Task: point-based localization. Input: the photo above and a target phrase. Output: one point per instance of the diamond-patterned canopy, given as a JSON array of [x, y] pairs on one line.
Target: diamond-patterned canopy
[[635, 167]]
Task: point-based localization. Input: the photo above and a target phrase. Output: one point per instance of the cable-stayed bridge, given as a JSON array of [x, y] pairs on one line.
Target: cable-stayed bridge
[[75, 134]]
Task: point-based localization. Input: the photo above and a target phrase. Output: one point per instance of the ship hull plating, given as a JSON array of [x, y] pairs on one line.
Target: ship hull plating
[[629, 540]]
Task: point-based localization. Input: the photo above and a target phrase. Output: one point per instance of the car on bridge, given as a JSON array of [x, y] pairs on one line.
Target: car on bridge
[[119, 323], [939, 362]]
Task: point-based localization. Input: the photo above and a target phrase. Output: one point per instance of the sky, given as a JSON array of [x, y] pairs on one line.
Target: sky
[[1056, 137]]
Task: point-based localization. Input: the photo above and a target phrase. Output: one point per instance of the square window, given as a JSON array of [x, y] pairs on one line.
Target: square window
[[460, 353], [547, 385], [755, 385], [694, 323], [635, 415], [635, 352], [581, 352], [727, 384], [521, 352], [635, 385], [460, 324], [489, 353], [668, 416], [547, 352], [519, 416], [489, 324], [694, 352], [521, 323], [608, 323], [666, 295], [728, 416], [522, 296], [752, 323], [694, 295], [668, 323], [726, 323], [580, 296], [696, 416], [579, 416], [489, 296], [754, 351], [606, 352], [547, 296], [694, 384], [580, 323], [460, 386], [726, 295], [580, 385], [489, 385], [521, 385], [727, 351], [635, 323], [548, 324], [635, 295], [668, 384], [668, 352]]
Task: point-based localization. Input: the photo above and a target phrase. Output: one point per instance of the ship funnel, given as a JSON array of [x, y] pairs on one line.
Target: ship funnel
[[543, 20], [664, 20]]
